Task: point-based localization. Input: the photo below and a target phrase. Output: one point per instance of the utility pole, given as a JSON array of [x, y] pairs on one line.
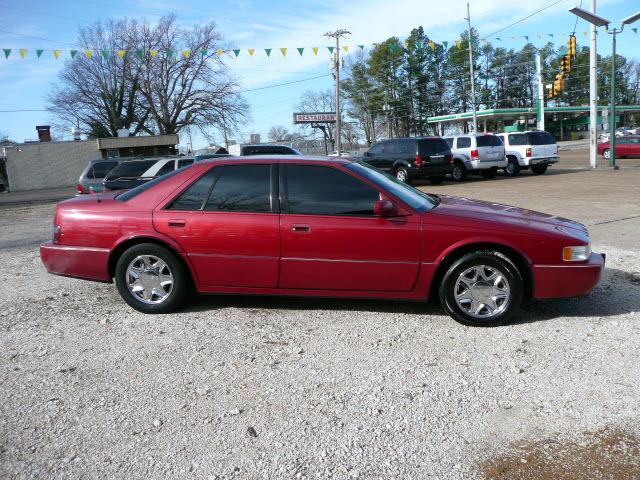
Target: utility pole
[[540, 93], [612, 128], [337, 34], [473, 86], [593, 94]]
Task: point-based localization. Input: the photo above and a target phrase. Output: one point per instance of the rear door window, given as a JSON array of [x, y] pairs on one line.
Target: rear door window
[[463, 142], [377, 148], [242, 188], [194, 196], [484, 141], [391, 146], [541, 138], [407, 146]]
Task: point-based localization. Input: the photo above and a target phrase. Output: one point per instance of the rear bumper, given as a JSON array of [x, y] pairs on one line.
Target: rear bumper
[[485, 165], [528, 161], [430, 170], [556, 281], [81, 262]]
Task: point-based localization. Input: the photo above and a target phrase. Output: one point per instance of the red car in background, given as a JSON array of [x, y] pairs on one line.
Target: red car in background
[[317, 227], [628, 146]]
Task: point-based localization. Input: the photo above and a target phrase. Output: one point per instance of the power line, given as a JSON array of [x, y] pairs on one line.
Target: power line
[[524, 18]]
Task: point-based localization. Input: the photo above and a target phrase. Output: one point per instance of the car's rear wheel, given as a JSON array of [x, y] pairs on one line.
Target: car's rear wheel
[[402, 174], [489, 173], [151, 279], [539, 169], [459, 172], [513, 167], [482, 289], [606, 153], [436, 180]]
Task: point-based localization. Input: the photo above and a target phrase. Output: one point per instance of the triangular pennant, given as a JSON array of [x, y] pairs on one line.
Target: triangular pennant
[[445, 44], [56, 54], [345, 48], [526, 37], [267, 51], [153, 53], [139, 54], [331, 49], [361, 47], [483, 40], [251, 51], [635, 30], [300, 51], [204, 52], [73, 53], [283, 50], [584, 34], [105, 54], [39, 52], [219, 52], [122, 53], [186, 53], [538, 35], [169, 53], [236, 52], [315, 51], [551, 35], [23, 52], [88, 53], [498, 39], [7, 52], [432, 44]]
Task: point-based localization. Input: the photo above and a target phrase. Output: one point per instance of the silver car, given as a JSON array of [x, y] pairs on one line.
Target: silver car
[[92, 176], [481, 153]]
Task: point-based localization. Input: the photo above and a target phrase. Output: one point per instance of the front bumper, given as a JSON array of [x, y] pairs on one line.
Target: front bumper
[[427, 170], [567, 280], [81, 262]]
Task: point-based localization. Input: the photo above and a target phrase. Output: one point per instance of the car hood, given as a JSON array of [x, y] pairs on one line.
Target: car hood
[[506, 215]]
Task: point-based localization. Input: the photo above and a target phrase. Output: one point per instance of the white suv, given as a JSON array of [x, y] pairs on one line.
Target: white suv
[[535, 149], [481, 153]]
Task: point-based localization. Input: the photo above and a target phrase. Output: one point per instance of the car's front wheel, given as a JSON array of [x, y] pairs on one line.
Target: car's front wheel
[[482, 289], [606, 154], [151, 279], [513, 167]]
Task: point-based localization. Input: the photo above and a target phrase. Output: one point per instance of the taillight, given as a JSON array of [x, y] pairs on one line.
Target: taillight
[[474, 153], [528, 152], [418, 161], [55, 233], [80, 188]]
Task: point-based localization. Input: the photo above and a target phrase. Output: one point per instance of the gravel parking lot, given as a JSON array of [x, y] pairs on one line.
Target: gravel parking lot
[[240, 387]]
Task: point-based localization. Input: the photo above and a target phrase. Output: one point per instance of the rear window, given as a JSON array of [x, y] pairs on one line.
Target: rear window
[[484, 141], [268, 150], [130, 169], [541, 138], [100, 169], [463, 142], [518, 139], [434, 146]]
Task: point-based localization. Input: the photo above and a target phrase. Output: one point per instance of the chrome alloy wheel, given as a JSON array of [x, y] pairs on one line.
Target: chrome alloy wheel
[[401, 174], [482, 292], [149, 279]]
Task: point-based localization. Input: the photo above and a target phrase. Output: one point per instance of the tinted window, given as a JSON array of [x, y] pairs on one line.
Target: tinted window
[[518, 139], [185, 162], [327, 191], [129, 194], [194, 197], [242, 188], [377, 148], [268, 150], [406, 146], [434, 146], [449, 142], [166, 168], [130, 169], [463, 142], [100, 169], [497, 141], [484, 141], [541, 138], [391, 147]]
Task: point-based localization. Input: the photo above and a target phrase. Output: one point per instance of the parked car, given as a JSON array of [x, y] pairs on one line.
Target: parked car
[[411, 158], [625, 147], [247, 150], [342, 154], [317, 227], [535, 149], [131, 173], [206, 156], [92, 176], [481, 153]]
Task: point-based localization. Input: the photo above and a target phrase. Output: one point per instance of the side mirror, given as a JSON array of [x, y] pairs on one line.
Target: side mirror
[[384, 209], [367, 153]]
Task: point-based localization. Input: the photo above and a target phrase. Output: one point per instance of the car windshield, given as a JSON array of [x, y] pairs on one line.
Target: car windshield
[[130, 169], [411, 196]]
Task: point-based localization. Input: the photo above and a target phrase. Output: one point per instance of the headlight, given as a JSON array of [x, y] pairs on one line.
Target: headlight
[[576, 254]]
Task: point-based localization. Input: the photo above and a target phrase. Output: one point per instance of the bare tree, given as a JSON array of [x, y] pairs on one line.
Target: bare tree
[[100, 93], [187, 83], [278, 134], [319, 101]]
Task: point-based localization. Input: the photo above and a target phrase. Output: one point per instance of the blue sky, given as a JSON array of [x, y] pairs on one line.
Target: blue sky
[[24, 84]]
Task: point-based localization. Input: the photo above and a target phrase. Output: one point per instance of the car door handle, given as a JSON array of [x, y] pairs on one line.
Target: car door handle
[[299, 227], [177, 222]]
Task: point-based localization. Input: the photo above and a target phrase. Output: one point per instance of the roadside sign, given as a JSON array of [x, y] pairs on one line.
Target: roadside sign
[[314, 117]]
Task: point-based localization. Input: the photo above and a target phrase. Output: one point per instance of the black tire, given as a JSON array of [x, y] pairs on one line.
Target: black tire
[[401, 174], [459, 172], [493, 261], [513, 167], [606, 154], [179, 291], [539, 169], [489, 174], [436, 180]]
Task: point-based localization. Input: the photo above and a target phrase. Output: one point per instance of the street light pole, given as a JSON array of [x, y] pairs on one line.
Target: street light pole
[[593, 94], [612, 128], [473, 86], [337, 34]]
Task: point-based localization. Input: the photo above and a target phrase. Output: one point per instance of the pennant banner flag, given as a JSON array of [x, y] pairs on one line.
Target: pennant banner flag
[[204, 52], [315, 51], [251, 51], [139, 54], [268, 51], [39, 53], [346, 49], [361, 47], [283, 51], [331, 49], [153, 53], [88, 53], [73, 53], [169, 53], [122, 53], [236, 52], [300, 51], [186, 53], [105, 54], [56, 54], [23, 52], [219, 52], [7, 52], [635, 30]]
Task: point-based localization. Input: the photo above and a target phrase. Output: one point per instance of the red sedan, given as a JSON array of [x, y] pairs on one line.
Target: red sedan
[[317, 227], [628, 146]]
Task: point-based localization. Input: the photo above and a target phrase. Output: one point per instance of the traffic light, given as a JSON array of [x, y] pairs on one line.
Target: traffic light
[[558, 84], [565, 65], [571, 47], [551, 92]]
